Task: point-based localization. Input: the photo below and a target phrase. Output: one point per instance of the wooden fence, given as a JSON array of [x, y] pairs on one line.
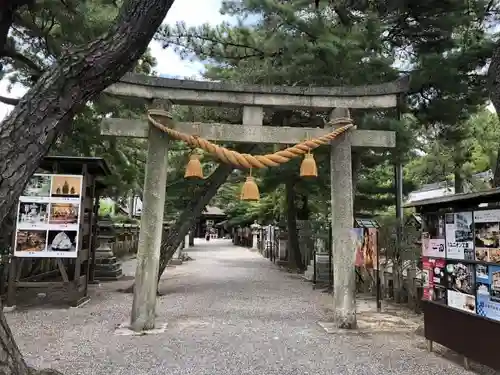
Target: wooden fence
[[126, 240]]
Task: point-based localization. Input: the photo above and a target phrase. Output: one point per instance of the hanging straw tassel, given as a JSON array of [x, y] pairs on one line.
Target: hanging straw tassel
[[250, 190], [308, 167], [193, 168]]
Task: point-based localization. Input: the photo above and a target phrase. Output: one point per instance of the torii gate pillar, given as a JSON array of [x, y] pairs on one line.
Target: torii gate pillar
[[342, 213], [150, 235]]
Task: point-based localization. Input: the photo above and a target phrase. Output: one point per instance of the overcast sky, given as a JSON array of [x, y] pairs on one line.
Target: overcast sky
[[195, 12]]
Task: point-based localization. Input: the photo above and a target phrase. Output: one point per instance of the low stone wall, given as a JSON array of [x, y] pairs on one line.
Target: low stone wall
[[126, 240]]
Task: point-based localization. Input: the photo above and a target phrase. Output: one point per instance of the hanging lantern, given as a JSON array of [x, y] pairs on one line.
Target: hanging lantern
[[308, 167], [250, 190], [193, 168]]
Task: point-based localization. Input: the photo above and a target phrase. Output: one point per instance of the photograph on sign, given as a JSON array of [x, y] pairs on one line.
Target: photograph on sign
[[494, 255], [461, 301], [459, 236], [38, 186], [64, 215], [487, 235], [433, 240], [66, 186], [31, 241], [487, 291], [482, 273], [460, 277], [62, 241], [32, 214]]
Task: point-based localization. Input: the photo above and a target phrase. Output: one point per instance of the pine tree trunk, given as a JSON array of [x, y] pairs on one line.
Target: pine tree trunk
[[494, 90], [294, 255], [11, 359], [174, 235], [47, 109], [186, 221], [191, 235], [458, 180]]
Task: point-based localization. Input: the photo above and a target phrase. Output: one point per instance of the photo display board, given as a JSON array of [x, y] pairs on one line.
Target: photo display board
[[461, 261], [48, 217], [365, 247]]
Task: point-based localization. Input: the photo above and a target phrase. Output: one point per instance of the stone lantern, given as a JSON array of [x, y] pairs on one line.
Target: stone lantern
[[255, 227], [107, 267]]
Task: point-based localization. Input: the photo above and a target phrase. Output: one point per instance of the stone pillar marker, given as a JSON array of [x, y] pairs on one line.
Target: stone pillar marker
[[254, 241], [148, 251], [255, 233], [344, 276]]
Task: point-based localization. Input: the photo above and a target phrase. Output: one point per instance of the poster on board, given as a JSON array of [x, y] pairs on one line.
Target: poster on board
[[434, 280], [460, 281], [460, 277], [48, 217], [459, 236], [371, 248], [461, 301], [488, 291], [357, 236], [433, 241], [365, 247], [487, 235]]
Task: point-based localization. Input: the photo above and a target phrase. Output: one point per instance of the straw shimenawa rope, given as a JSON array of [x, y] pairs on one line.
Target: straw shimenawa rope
[[246, 160]]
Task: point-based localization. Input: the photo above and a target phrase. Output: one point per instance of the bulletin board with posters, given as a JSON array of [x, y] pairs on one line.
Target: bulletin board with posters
[[461, 273], [48, 217], [56, 222]]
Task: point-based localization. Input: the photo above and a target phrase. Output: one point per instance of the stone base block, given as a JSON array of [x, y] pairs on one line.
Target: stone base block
[[108, 260], [124, 330]]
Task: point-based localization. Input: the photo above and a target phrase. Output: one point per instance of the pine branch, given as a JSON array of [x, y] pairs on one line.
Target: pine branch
[[8, 9], [9, 101], [345, 17], [11, 53], [34, 31], [225, 43]]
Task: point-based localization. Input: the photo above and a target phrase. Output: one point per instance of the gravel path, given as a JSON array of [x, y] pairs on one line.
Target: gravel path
[[229, 312]]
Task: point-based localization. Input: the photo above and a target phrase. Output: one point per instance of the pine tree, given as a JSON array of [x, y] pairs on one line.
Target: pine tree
[[61, 89]]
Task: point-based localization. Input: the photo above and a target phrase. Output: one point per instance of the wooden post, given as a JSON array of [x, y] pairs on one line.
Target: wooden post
[[429, 345], [95, 215], [11, 288], [91, 241]]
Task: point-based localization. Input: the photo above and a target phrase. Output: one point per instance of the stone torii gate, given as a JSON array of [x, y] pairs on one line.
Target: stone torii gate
[[253, 99]]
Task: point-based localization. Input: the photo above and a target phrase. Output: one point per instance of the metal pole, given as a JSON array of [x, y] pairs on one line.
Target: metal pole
[[379, 300], [398, 169], [398, 175], [314, 270], [330, 268]]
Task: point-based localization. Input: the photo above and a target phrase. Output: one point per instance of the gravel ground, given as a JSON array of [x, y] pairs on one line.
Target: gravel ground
[[229, 311]]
